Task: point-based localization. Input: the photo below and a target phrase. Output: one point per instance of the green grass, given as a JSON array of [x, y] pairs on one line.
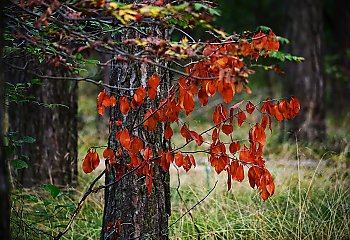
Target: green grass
[[311, 202]]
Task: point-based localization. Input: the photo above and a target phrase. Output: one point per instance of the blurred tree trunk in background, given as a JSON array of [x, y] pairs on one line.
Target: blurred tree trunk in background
[[53, 157], [306, 80], [142, 215], [341, 86], [4, 184]]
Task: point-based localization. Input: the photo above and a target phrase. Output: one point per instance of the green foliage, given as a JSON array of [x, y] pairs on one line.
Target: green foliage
[[52, 189]]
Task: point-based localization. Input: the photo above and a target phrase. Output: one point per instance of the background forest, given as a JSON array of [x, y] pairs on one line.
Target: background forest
[[308, 157]]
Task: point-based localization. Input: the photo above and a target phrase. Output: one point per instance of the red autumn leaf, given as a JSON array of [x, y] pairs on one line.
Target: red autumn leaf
[[273, 43], [203, 96], [124, 105], [227, 92], [169, 157], [134, 160], [185, 132], [215, 135], [188, 103], [264, 121], [187, 163], [148, 154], [241, 117], [151, 120], [124, 138], [198, 138], [153, 83], [252, 177], [227, 129], [112, 101], [234, 147], [136, 145], [258, 134], [250, 107], [192, 160], [245, 155], [220, 114], [228, 179], [222, 61], [168, 133], [108, 153], [139, 97], [260, 40], [179, 159], [163, 162], [239, 173], [91, 161]]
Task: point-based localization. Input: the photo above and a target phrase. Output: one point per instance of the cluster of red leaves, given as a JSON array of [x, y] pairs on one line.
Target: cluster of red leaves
[[223, 71], [283, 109], [104, 101], [91, 161]]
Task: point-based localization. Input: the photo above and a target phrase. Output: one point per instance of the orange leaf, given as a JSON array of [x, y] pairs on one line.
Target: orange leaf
[[198, 138], [241, 117], [188, 103], [136, 145], [124, 138], [179, 159], [151, 120], [112, 101], [108, 153], [192, 160], [187, 163], [124, 105], [202, 96], [153, 83], [185, 132], [250, 107], [91, 161], [168, 133], [239, 173], [227, 129], [264, 121], [234, 147], [148, 154], [139, 97]]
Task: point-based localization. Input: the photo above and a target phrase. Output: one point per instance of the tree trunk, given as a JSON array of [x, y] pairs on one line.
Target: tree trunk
[[53, 157], [306, 80], [4, 184], [142, 215], [341, 86]]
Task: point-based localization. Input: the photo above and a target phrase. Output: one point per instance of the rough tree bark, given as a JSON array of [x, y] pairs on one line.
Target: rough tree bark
[[53, 157], [306, 80], [4, 184], [142, 215]]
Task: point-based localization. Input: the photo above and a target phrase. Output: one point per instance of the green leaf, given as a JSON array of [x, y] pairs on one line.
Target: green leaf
[[28, 139], [52, 189], [18, 164], [263, 28]]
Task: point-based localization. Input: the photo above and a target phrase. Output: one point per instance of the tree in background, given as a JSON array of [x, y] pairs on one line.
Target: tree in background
[[4, 181], [50, 117], [145, 105], [305, 27]]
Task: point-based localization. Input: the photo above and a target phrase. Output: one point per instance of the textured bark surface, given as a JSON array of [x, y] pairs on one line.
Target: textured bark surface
[[4, 184], [306, 80], [53, 157], [142, 215]]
